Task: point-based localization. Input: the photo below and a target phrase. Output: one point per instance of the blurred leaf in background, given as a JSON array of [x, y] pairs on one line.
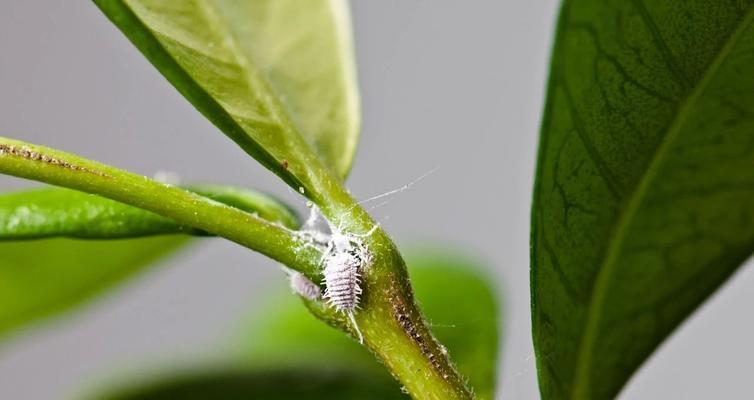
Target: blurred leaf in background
[[290, 384], [43, 277]]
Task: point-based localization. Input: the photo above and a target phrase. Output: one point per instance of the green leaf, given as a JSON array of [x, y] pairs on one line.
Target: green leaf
[[48, 212], [42, 277], [323, 383], [457, 300], [644, 196], [276, 76]]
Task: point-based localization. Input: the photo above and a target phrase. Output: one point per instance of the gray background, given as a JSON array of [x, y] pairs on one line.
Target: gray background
[[456, 85]]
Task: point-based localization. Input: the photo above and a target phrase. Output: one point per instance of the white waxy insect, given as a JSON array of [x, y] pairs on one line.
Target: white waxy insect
[[345, 260]]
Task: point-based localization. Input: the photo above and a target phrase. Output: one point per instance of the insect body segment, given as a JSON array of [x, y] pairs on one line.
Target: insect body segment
[[345, 258], [343, 265]]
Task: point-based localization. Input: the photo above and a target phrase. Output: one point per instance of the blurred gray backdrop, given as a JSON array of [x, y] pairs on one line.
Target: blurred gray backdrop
[[453, 85]]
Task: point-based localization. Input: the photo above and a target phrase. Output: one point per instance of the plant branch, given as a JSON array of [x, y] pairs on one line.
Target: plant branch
[[63, 169], [395, 331], [392, 325], [389, 319]]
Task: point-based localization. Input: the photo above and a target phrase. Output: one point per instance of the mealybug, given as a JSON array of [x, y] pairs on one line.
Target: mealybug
[[345, 258], [344, 262]]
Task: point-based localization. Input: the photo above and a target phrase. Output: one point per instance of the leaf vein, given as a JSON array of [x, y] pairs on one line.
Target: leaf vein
[[584, 354]]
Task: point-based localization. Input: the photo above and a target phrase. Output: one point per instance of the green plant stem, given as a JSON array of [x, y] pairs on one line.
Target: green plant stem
[[59, 168], [393, 327], [391, 323], [396, 332]]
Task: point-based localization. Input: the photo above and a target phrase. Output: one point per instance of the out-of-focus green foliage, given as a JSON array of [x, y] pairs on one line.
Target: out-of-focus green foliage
[[43, 277], [323, 383]]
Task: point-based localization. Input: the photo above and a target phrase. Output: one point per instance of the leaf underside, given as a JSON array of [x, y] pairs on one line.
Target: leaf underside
[[644, 195], [276, 76]]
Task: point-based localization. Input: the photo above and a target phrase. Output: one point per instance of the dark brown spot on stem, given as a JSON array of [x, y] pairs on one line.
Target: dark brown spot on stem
[[405, 317], [32, 155]]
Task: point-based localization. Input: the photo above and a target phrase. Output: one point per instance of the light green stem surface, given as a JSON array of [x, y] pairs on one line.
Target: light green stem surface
[[63, 169], [393, 327]]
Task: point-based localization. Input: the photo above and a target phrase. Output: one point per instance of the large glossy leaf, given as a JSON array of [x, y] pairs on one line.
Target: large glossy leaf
[[324, 383], [273, 75], [48, 212], [458, 301], [644, 201], [42, 277]]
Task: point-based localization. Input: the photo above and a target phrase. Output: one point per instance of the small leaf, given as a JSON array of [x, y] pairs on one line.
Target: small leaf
[[48, 212], [644, 201], [325, 383], [276, 76], [42, 277], [458, 302]]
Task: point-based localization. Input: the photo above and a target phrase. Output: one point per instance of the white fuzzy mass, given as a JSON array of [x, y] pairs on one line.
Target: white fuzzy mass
[[344, 265]]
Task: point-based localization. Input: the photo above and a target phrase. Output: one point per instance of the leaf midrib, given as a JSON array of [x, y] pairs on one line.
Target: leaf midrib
[[585, 350], [255, 77], [252, 74]]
